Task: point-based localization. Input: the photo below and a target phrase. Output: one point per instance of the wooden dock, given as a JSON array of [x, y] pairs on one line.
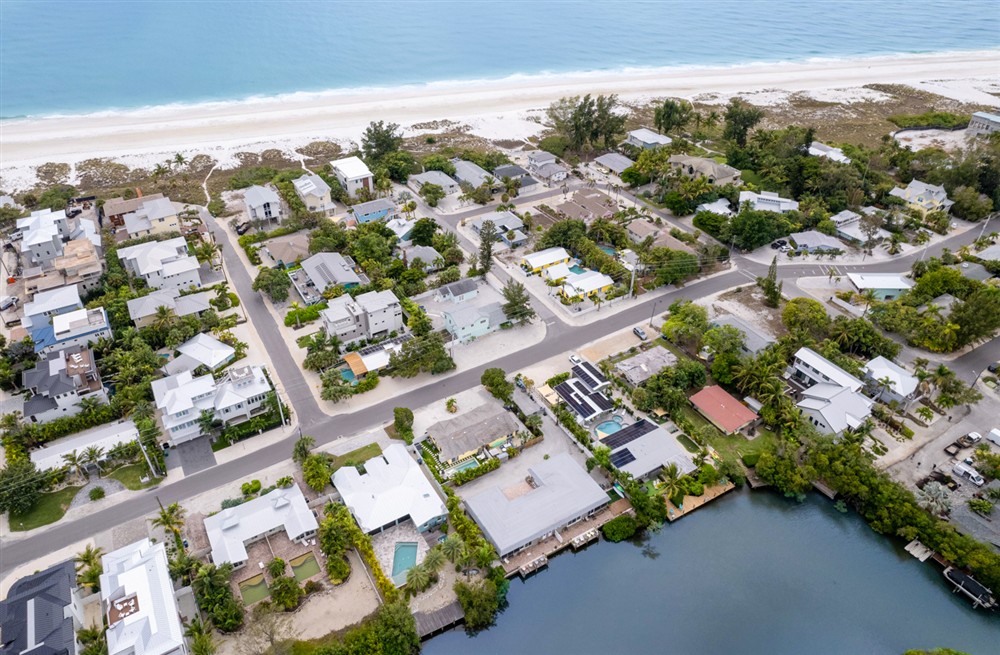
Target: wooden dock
[[691, 503], [824, 489], [534, 565], [585, 539], [753, 479], [438, 621]]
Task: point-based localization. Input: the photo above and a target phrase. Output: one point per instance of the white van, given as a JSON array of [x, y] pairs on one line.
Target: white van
[[7, 302], [994, 436], [963, 470]]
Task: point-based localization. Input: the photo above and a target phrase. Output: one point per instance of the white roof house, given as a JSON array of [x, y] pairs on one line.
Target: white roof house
[[351, 168], [821, 370], [50, 303], [392, 490], [902, 383], [310, 184], [558, 492], [544, 258], [141, 310], [233, 528], [849, 227], [927, 197], [989, 254], [240, 386], [262, 203], [817, 149], [181, 399], [720, 206], [814, 241], [205, 350], [154, 215], [983, 122], [138, 599], [768, 201], [539, 158], [891, 283], [162, 264], [643, 448], [104, 436], [647, 138], [833, 409], [557, 272], [584, 284], [614, 162], [76, 328], [439, 178], [472, 173]]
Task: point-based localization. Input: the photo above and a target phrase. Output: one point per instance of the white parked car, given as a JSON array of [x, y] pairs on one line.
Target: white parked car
[[575, 359], [975, 437]]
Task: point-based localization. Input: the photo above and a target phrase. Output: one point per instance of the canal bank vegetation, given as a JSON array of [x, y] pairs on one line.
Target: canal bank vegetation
[[888, 506], [392, 630]]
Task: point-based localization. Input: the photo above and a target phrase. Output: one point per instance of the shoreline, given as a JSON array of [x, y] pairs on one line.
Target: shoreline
[[510, 108]]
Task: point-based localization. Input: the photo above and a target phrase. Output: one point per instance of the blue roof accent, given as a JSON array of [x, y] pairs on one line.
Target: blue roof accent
[[43, 336]]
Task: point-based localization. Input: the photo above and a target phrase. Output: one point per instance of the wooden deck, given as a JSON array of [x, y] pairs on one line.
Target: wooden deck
[[691, 503], [536, 556], [438, 621]]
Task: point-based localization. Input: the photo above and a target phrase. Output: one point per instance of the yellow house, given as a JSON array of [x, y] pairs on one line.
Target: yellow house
[[156, 216], [586, 285], [535, 262], [923, 197]]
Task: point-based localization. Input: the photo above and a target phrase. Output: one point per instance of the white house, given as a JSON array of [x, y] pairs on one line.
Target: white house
[[457, 292], [239, 395], [551, 173], [353, 175], [768, 201], [60, 382], [809, 367], [234, 528], [201, 350], [450, 186], [392, 490], [588, 283], [51, 303], [162, 264], [983, 122], [720, 206], [143, 310], [138, 598], [473, 174], [817, 149], [647, 139], [103, 437], [536, 261], [814, 241], [830, 396], [370, 315], [890, 382], [43, 234], [262, 204], [314, 193], [322, 271], [466, 323], [885, 286], [83, 327], [539, 158], [849, 227], [613, 162], [924, 197]]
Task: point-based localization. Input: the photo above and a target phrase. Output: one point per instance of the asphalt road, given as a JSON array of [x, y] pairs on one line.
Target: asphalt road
[[559, 338]]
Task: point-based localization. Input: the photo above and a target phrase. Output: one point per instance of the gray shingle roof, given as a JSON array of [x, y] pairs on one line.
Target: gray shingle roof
[[44, 629]]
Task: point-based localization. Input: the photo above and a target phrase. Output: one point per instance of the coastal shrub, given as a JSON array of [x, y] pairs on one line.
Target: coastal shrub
[[750, 459], [470, 474], [619, 528], [251, 176], [312, 587], [96, 493], [276, 567], [937, 119], [391, 630], [480, 602], [367, 383], [555, 144], [286, 594]]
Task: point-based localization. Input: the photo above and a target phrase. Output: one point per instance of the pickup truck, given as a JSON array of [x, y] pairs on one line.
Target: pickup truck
[[966, 441], [953, 449]]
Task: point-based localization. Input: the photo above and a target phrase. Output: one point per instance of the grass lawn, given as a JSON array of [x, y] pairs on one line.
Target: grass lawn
[[49, 509], [734, 447], [685, 440], [355, 457], [131, 476]]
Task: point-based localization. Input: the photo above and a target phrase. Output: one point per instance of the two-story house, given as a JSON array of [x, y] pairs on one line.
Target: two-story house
[[380, 209], [830, 396], [78, 266], [60, 382], [891, 383], [924, 197], [369, 316], [262, 204], [42, 613], [154, 216], [768, 201], [647, 139], [353, 175], [314, 193], [82, 327], [162, 264]]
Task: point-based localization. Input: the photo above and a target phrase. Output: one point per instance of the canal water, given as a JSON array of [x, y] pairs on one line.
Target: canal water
[[751, 573]]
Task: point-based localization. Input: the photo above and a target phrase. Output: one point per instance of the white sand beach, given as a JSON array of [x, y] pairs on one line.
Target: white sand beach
[[500, 109]]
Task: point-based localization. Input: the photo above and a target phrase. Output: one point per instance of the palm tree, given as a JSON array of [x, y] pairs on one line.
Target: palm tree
[[88, 404], [417, 579], [294, 307], [76, 463], [200, 633], [434, 559], [142, 409], [206, 422], [180, 159], [671, 477], [160, 171], [451, 405], [533, 422], [11, 422], [94, 455], [171, 519], [90, 556], [301, 449], [164, 318], [485, 555], [454, 548], [934, 498]]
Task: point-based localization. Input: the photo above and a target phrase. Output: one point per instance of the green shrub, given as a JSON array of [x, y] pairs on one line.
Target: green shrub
[[751, 459], [276, 567], [470, 474], [619, 528], [96, 493], [940, 119], [557, 379]]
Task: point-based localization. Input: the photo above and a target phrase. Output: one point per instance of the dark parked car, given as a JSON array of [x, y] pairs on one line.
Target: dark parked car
[[242, 228], [992, 368]]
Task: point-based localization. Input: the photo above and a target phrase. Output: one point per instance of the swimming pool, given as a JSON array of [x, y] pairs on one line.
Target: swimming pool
[[609, 250], [465, 466], [404, 559], [576, 268], [609, 427], [348, 376], [254, 589], [305, 566]]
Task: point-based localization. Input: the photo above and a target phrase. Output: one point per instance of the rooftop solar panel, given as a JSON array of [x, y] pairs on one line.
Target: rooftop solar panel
[[601, 401], [628, 434], [621, 458]]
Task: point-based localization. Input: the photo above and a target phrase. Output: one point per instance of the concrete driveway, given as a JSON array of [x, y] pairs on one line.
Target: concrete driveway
[[195, 455]]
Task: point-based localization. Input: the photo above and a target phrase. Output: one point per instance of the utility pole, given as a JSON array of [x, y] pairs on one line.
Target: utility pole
[[631, 286]]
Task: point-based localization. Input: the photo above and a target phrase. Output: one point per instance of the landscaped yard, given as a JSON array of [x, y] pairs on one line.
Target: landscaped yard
[[355, 457], [729, 447], [49, 509], [131, 476]]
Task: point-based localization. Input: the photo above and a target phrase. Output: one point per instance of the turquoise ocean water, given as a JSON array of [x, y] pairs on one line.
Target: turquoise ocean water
[[85, 56]]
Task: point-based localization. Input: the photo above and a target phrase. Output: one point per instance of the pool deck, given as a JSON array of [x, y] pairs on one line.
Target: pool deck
[[384, 544], [544, 549], [263, 551]]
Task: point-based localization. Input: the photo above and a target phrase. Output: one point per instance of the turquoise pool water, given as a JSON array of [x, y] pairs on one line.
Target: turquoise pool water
[[608, 249], [348, 375], [609, 427], [464, 466], [576, 268], [404, 559]]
